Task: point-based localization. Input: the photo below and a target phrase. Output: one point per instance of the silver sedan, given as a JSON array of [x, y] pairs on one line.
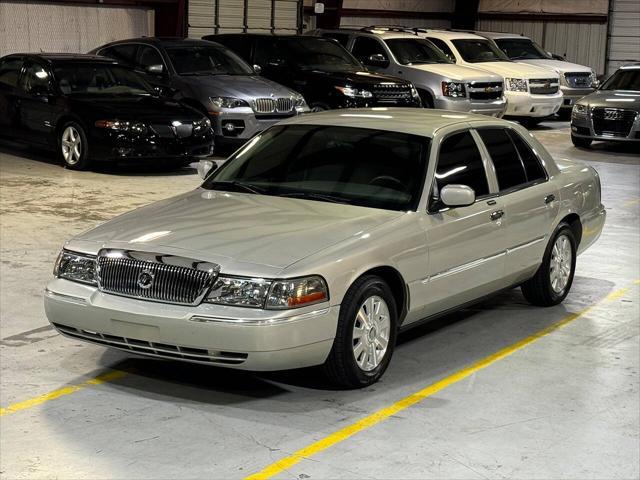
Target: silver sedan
[[326, 235]]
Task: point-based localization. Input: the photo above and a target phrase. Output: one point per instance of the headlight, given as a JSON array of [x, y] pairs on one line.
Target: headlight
[[269, 294], [228, 102], [579, 109], [120, 126], [202, 125], [76, 267], [354, 92], [516, 84], [453, 89], [414, 93], [243, 292], [297, 292]]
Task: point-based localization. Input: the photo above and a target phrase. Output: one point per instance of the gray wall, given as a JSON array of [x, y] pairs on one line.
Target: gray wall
[[624, 33], [67, 28]]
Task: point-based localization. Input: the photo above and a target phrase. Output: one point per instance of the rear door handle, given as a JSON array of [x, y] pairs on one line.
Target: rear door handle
[[549, 198], [496, 215]]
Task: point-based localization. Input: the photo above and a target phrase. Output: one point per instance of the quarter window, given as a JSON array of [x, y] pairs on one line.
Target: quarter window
[[10, 71], [530, 160], [460, 162], [509, 168]]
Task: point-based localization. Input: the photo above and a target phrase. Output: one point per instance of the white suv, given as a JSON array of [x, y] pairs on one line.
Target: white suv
[[532, 92], [441, 83]]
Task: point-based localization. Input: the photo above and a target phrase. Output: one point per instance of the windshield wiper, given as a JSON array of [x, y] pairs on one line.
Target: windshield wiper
[[244, 186], [315, 196]]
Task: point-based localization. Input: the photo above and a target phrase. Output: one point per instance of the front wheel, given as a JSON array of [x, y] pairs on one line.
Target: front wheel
[[74, 147], [552, 282], [581, 142], [365, 336]]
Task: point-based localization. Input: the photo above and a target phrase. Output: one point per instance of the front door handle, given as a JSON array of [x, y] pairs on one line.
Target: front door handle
[[496, 215], [549, 198]]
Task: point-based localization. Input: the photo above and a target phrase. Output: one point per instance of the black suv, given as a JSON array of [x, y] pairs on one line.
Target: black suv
[[324, 72]]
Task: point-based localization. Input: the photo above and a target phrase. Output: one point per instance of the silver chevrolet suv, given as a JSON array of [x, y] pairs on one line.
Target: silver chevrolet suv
[[441, 83], [211, 78]]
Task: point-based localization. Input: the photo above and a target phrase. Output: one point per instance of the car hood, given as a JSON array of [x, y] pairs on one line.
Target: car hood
[[452, 71], [556, 65], [246, 87], [140, 108], [361, 78], [613, 98], [238, 231], [515, 70]]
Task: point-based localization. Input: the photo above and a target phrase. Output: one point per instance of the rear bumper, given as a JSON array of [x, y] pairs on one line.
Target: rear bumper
[[209, 334], [524, 104], [494, 108]]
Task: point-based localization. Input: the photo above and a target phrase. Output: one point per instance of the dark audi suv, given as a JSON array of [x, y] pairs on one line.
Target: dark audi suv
[[91, 108], [323, 71]]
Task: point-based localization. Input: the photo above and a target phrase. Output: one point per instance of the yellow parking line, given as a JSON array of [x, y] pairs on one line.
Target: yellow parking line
[[61, 392], [384, 413]]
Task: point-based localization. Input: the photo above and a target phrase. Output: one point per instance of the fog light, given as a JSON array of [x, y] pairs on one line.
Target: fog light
[[230, 127]]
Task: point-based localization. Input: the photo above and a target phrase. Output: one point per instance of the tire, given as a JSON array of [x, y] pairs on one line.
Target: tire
[[73, 146], [581, 142], [546, 288], [351, 363], [318, 107], [427, 100], [564, 114]]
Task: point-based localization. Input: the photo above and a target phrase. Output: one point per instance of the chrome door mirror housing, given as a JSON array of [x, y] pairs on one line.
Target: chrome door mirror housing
[[155, 69], [257, 68], [205, 167], [456, 195]]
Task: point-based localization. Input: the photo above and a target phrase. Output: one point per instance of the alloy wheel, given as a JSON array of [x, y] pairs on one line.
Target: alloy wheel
[[371, 331], [560, 265], [71, 145]]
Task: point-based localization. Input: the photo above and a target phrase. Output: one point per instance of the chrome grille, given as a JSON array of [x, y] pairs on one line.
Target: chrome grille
[[544, 86], [154, 277], [612, 122], [391, 92], [273, 105], [484, 90], [578, 79]]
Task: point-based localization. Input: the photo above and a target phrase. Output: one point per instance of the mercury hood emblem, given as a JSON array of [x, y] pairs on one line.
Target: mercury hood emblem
[[145, 279]]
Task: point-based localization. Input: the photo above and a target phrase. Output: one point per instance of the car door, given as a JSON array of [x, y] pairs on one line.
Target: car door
[[10, 69], [531, 202], [466, 244], [37, 107]]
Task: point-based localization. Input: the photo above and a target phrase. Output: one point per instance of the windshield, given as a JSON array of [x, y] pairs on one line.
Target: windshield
[[314, 53], [99, 79], [413, 51], [356, 166], [623, 80], [478, 51], [207, 60], [522, 49]]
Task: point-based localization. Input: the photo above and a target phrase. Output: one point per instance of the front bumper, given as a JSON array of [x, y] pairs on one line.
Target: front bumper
[[112, 145], [234, 337], [572, 95], [582, 127], [238, 125], [524, 104], [494, 108]]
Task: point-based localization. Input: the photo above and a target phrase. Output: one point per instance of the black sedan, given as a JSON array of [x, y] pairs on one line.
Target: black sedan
[[91, 108]]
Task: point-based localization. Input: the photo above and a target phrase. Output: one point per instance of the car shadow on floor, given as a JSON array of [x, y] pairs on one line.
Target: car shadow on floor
[[19, 151], [423, 355]]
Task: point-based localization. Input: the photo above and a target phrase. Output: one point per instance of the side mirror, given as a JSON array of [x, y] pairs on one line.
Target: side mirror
[[258, 69], [377, 60], [155, 69], [456, 195], [596, 84], [205, 167]]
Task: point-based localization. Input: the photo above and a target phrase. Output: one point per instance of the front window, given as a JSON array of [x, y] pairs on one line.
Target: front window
[[623, 80], [355, 166], [99, 79], [522, 49], [314, 53], [207, 60], [478, 51], [409, 51]]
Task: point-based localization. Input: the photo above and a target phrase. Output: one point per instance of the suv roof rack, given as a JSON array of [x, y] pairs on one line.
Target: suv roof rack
[[390, 28]]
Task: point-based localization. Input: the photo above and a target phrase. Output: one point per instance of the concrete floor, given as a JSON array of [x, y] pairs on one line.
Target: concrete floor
[[566, 406]]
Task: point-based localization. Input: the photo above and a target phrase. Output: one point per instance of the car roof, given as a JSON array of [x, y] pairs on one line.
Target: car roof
[[64, 57], [164, 41], [450, 34], [415, 121], [266, 35], [497, 35], [382, 32], [631, 66]]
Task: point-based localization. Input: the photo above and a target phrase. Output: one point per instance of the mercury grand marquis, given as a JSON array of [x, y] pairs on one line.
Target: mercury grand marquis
[[326, 235]]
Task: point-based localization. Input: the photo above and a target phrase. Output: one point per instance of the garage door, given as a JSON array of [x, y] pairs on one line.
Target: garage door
[[220, 16], [624, 33], [68, 28]]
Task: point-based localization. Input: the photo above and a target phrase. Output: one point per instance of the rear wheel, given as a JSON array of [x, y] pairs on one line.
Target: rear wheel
[[74, 147], [581, 142], [552, 282], [319, 107], [365, 336]]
